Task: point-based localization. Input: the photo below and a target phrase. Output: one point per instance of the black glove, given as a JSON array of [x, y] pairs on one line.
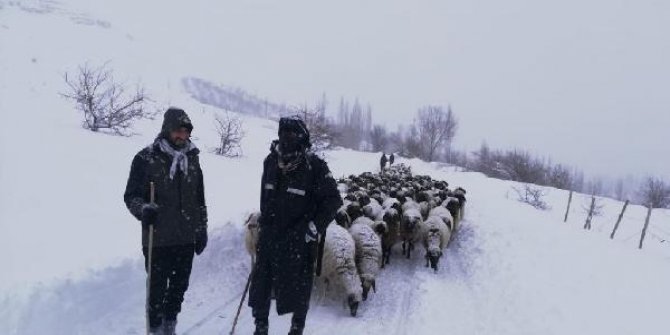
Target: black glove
[[200, 241], [149, 214]]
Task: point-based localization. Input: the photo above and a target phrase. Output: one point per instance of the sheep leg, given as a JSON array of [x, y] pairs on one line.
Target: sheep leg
[[323, 290], [409, 249], [386, 255]]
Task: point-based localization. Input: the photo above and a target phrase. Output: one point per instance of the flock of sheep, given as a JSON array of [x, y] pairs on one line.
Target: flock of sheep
[[380, 211]]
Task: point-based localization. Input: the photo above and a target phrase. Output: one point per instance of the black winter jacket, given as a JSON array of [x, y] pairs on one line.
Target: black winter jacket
[[285, 261], [182, 212]]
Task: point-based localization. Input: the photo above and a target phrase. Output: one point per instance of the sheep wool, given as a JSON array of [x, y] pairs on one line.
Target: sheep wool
[[339, 264], [251, 234], [368, 252]]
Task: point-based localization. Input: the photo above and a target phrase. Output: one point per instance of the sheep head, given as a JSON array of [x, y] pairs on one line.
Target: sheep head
[[354, 211], [381, 228], [410, 223], [343, 219]]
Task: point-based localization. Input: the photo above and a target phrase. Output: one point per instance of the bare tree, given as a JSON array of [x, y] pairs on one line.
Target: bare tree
[[620, 190], [436, 128], [412, 143], [560, 177], [532, 195], [229, 128], [484, 160], [520, 166], [322, 132], [655, 193], [396, 143], [378, 138], [104, 102]]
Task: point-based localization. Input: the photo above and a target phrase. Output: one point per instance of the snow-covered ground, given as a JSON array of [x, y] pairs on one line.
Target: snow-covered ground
[[69, 250]]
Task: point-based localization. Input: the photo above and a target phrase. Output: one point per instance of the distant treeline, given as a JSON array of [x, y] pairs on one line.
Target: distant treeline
[[429, 137]]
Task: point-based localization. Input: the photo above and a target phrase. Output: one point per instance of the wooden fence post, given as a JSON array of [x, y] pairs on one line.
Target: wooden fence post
[[618, 221], [646, 224], [587, 225], [568, 210]]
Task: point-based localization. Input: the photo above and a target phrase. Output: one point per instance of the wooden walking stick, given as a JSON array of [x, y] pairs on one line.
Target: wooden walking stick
[[149, 255], [244, 295]]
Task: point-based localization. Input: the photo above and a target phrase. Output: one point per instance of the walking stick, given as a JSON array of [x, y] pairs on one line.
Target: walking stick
[[244, 295], [150, 252]]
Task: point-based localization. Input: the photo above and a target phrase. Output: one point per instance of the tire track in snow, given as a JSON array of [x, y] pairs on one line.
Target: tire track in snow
[[216, 311]]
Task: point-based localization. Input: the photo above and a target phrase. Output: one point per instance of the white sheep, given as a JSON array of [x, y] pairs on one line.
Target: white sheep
[[459, 193], [424, 208], [410, 203], [435, 235], [454, 207], [445, 215], [392, 220], [368, 253], [373, 209], [342, 217], [251, 235], [339, 266], [410, 228]]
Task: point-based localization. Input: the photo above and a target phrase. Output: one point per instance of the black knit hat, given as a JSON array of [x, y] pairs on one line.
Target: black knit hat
[[175, 118], [296, 125]]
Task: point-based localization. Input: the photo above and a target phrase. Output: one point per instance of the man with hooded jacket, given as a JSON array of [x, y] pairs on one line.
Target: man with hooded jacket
[[299, 198], [178, 215]]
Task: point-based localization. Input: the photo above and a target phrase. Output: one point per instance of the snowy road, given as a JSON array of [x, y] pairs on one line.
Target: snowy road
[[503, 274], [404, 288]]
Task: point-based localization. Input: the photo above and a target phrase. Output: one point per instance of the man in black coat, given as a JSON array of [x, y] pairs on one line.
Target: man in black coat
[[382, 162], [391, 159], [178, 216], [299, 198]]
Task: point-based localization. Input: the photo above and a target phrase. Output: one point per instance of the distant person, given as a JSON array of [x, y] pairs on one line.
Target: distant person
[[382, 162], [178, 216], [299, 198], [391, 159]]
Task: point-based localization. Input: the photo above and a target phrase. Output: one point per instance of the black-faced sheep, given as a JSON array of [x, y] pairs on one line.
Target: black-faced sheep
[[373, 209], [392, 219], [435, 235], [454, 206], [354, 211], [342, 218], [409, 228], [368, 252]]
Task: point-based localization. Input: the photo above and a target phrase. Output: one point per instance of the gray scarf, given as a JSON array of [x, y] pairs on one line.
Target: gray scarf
[[288, 162], [179, 158]]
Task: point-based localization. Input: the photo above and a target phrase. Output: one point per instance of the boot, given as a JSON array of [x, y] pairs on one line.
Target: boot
[[262, 327], [169, 327], [156, 330], [296, 329], [297, 325]]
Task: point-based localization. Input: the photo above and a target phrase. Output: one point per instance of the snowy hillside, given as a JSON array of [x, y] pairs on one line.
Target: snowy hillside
[[70, 251]]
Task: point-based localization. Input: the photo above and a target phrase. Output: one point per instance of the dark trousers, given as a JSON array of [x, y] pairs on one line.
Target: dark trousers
[[170, 272], [261, 313]]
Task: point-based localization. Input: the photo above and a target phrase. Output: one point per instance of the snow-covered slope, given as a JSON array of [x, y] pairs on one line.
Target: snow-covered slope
[[70, 256]]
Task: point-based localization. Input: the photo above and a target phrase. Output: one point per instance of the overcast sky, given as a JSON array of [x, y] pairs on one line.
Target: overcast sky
[[586, 82]]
